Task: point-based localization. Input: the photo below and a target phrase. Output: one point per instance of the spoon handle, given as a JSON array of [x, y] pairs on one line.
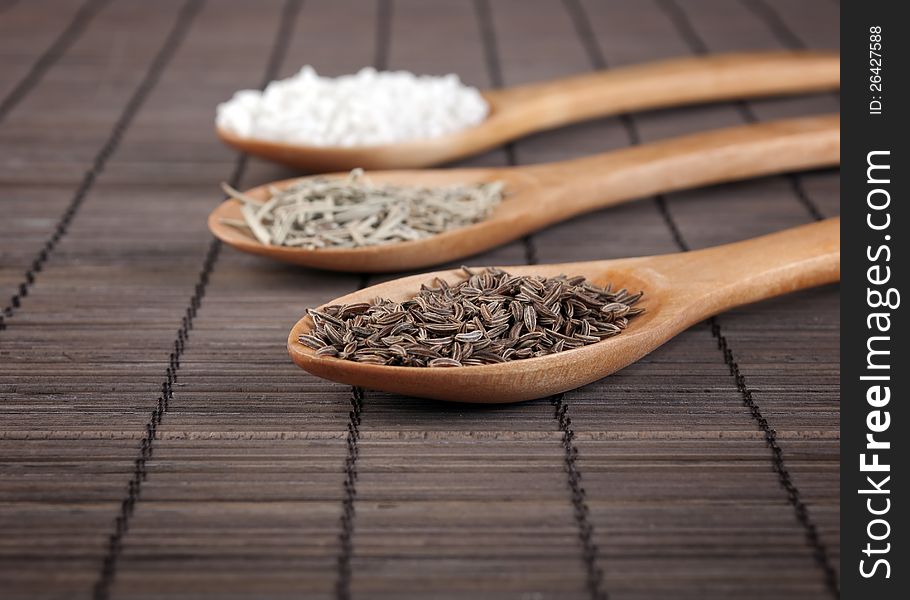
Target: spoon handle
[[716, 279], [594, 182], [675, 82]]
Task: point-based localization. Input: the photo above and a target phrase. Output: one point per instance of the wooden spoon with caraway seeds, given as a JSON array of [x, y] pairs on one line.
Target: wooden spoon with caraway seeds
[[679, 291], [543, 194]]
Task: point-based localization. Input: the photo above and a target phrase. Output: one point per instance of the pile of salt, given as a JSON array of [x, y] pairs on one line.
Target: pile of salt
[[367, 108]]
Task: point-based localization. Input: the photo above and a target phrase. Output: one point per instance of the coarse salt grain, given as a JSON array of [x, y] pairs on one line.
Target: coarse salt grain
[[368, 108]]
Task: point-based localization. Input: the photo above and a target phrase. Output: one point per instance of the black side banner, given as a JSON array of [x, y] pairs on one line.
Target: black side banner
[[875, 58]]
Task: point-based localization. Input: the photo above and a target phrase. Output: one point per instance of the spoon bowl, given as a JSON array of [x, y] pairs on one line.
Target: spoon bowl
[[518, 111], [540, 195], [679, 290]]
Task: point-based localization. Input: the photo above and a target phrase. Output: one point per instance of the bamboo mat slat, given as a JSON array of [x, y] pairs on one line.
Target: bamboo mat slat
[[250, 490], [32, 37]]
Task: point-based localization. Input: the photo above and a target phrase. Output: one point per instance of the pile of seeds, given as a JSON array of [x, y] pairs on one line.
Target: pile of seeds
[[490, 317], [349, 213]]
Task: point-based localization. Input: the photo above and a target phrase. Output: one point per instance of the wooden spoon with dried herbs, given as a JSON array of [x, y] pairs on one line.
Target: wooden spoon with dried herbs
[[519, 111], [400, 220], [517, 333]]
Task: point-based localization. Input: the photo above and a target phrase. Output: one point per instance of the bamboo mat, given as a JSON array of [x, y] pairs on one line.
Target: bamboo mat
[[155, 439]]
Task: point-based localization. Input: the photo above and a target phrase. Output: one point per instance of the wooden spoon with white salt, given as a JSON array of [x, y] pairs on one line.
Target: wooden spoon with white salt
[[539, 195], [518, 111]]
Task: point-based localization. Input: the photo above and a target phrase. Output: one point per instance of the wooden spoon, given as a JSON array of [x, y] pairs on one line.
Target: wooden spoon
[[540, 195], [518, 111], [680, 290]]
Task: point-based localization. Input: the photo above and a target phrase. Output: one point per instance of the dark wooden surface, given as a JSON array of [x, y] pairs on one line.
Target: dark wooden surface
[[264, 482]]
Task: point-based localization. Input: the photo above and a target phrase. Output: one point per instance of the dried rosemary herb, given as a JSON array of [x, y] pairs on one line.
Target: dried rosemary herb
[[490, 317], [348, 213]]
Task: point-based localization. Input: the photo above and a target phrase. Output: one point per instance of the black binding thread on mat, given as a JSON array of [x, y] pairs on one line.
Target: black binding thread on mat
[[383, 34], [775, 23], [146, 444], [819, 551], [349, 494], [789, 39], [778, 26], [345, 538], [384, 11], [695, 42], [51, 55], [494, 70], [7, 5], [596, 57], [595, 54], [156, 67], [590, 551]]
